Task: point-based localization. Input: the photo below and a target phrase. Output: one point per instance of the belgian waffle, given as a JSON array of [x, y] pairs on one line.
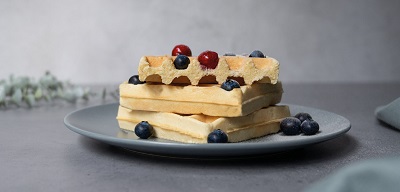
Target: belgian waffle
[[246, 69], [195, 128], [207, 99]]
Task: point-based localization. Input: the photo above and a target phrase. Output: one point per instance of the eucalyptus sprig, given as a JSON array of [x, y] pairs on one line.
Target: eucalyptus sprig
[[26, 91]]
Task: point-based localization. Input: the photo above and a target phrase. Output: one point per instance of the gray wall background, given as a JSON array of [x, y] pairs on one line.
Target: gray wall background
[[101, 41]]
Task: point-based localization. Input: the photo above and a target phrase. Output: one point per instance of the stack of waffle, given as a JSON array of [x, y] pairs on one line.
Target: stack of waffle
[[187, 105]]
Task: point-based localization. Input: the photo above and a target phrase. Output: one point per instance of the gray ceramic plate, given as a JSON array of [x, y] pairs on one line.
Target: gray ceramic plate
[[99, 123]]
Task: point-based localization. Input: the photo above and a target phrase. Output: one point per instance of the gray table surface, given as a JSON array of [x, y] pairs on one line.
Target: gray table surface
[[38, 153]]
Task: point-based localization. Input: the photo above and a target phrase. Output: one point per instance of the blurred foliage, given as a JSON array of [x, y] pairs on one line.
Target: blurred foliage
[[26, 91]]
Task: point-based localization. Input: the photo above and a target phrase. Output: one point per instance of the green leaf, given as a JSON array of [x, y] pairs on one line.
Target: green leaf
[[38, 93], [2, 93], [8, 89], [17, 97], [86, 94], [30, 100]]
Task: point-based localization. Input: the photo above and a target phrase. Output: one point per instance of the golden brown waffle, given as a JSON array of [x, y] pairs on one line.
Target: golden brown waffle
[[246, 70], [208, 99], [195, 128]]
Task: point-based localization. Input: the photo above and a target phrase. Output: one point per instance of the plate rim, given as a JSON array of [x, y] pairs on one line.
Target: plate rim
[[123, 142]]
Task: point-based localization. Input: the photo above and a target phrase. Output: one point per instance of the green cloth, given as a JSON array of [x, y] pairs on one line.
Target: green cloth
[[367, 176], [390, 114], [370, 175]]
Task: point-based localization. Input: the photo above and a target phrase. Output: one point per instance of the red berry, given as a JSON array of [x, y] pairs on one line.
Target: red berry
[[181, 50], [208, 59]]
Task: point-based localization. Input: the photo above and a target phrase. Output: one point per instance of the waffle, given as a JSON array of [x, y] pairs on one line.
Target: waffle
[[195, 128], [208, 99], [246, 70]]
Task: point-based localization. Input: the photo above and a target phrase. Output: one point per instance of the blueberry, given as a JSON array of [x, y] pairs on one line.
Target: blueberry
[[217, 136], [181, 62], [303, 116], [257, 53], [230, 84], [309, 127], [290, 126], [229, 54], [143, 130], [135, 80]]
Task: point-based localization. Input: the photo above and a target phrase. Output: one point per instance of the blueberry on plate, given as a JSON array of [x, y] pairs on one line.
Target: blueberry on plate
[[290, 126], [181, 62], [135, 80], [257, 53], [303, 116], [309, 127], [230, 84], [217, 136], [143, 130]]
